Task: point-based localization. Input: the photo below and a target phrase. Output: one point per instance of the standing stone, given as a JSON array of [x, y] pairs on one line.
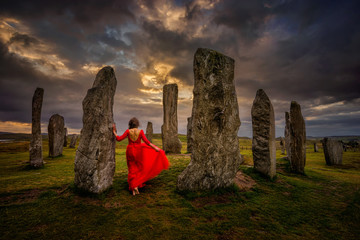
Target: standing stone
[[333, 151], [287, 134], [263, 143], [215, 123], [169, 130], [315, 147], [65, 137], [282, 146], [149, 131], [188, 135], [95, 155], [35, 149], [56, 135], [73, 141], [297, 139]]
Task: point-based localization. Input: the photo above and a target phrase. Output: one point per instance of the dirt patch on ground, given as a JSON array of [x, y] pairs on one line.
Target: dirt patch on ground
[[113, 205], [87, 201], [213, 200], [19, 198], [244, 182]]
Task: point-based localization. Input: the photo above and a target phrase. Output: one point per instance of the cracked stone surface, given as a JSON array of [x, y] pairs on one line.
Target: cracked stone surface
[[56, 135], [333, 151], [35, 149], [215, 122], [169, 130], [95, 155], [263, 142]]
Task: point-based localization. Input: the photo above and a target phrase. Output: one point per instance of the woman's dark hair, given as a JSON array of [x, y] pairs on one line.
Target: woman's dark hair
[[133, 123]]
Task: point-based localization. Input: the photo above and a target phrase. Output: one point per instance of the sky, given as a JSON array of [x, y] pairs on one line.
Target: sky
[[296, 50]]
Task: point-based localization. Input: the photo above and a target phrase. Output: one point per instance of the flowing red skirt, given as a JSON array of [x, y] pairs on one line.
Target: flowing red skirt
[[144, 163]]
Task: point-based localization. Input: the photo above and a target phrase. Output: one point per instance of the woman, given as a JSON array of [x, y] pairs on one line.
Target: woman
[[143, 162]]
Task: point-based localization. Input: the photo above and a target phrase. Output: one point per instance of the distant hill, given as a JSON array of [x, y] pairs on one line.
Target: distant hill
[[15, 136], [340, 138], [18, 136]]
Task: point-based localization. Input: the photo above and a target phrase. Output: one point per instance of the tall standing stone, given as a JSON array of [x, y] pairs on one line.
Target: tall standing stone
[[297, 139], [215, 122], [315, 147], [65, 137], [95, 155], [263, 143], [169, 130], [149, 131], [35, 149], [73, 141], [282, 146], [56, 135], [188, 135], [287, 134], [333, 151]]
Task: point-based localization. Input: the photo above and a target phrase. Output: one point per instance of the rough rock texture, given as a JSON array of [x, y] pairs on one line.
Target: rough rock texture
[[35, 149], [188, 135], [282, 146], [287, 134], [297, 139], [263, 142], [215, 122], [333, 151], [149, 131], [169, 130], [95, 155], [65, 137], [315, 148], [56, 135], [73, 141]]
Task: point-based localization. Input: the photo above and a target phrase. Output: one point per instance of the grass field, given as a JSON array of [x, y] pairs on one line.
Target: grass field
[[44, 204]]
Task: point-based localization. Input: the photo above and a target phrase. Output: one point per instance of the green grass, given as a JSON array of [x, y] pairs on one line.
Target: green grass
[[44, 204]]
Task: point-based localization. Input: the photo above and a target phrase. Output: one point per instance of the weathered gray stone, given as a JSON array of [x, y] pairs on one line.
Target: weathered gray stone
[[215, 122], [56, 135], [287, 134], [263, 143], [149, 131], [73, 141], [169, 130], [333, 151], [65, 137], [315, 147], [95, 155], [35, 149], [188, 135], [282, 146], [297, 139]]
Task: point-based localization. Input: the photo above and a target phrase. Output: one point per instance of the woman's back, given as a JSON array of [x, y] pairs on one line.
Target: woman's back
[[134, 135]]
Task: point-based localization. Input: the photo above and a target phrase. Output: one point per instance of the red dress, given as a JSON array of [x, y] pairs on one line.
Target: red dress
[[144, 163]]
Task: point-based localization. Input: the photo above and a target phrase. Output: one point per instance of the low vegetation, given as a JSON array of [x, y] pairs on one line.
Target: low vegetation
[[44, 204]]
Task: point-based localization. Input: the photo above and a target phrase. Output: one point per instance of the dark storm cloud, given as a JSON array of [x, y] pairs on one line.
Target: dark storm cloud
[[88, 14], [23, 39], [320, 52], [317, 52], [18, 82], [67, 24], [247, 18]]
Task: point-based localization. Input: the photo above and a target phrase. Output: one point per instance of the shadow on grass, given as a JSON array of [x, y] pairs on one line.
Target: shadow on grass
[[192, 195]]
